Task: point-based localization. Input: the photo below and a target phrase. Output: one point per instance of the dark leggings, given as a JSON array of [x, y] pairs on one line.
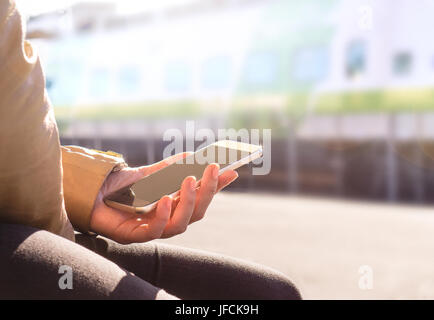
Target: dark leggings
[[31, 263]]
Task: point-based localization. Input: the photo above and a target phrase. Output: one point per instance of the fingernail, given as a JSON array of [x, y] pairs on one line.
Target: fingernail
[[215, 171], [193, 184]]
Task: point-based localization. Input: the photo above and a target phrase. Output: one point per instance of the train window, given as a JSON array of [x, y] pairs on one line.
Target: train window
[[99, 83], [402, 63], [310, 64], [216, 73], [355, 59], [178, 77], [129, 79], [64, 81], [261, 68]]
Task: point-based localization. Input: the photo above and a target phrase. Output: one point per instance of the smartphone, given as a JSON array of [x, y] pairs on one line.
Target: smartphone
[[143, 195]]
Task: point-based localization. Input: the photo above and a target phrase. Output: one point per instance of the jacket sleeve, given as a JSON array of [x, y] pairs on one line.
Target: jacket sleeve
[[84, 172], [30, 156]]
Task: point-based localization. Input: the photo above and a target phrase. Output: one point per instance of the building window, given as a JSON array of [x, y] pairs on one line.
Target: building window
[[216, 73], [355, 59], [310, 64], [261, 69], [178, 77], [402, 63]]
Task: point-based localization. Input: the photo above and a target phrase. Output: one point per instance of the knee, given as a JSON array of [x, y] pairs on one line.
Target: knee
[[268, 284], [280, 287]]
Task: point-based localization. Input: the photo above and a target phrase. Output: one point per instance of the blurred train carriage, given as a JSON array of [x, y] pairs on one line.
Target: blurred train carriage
[[346, 87]]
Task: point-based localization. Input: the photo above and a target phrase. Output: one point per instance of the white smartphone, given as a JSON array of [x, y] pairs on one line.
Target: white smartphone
[[143, 195]]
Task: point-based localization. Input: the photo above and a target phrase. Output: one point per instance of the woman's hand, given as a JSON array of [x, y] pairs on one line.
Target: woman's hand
[[170, 217]]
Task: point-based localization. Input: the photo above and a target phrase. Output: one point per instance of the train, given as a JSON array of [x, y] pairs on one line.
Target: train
[[346, 86], [313, 56]]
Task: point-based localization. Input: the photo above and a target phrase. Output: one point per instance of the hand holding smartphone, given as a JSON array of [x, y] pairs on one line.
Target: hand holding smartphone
[[143, 195]]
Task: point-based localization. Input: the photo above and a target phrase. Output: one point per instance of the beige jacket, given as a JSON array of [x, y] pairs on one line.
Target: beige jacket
[[31, 159]]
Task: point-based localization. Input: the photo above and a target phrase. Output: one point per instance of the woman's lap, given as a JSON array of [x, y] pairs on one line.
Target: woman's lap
[[31, 258]]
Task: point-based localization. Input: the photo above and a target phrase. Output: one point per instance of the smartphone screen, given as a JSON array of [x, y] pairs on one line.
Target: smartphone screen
[[169, 179]]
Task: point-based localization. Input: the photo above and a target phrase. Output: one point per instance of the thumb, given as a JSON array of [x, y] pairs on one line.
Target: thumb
[[147, 170], [128, 176]]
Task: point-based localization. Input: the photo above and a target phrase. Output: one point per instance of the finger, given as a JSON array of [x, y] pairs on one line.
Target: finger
[[182, 214], [226, 179], [208, 187], [147, 170], [175, 203], [154, 227]]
